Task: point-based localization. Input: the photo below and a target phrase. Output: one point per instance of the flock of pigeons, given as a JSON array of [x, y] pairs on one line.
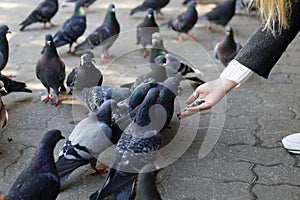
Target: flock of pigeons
[[131, 117]]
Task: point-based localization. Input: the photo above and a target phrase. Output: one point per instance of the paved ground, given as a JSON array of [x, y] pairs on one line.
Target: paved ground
[[233, 151]]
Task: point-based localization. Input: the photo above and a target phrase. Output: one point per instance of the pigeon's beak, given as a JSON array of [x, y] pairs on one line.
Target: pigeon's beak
[[8, 31], [62, 137], [113, 10], [149, 15], [48, 43]]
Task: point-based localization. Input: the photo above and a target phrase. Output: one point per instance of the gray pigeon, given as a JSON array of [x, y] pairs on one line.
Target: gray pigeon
[[89, 138], [146, 184], [50, 69], [43, 13], [221, 14], [104, 36], [184, 22], [154, 4], [93, 97], [175, 67], [40, 179], [145, 29], [72, 28], [139, 143], [227, 48], [86, 75], [4, 47]]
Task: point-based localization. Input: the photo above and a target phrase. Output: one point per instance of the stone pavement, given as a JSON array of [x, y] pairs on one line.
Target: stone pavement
[[237, 151]]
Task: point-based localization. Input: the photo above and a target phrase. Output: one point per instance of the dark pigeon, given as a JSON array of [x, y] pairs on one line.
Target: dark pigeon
[[43, 13], [138, 144], [4, 47], [86, 75], [50, 69], [104, 36], [72, 28], [86, 3], [3, 111], [184, 22], [228, 48], [154, 4], [221, 14], [88, 139], [40, 179], [13, 86], [138, 140], [146, 184], [176, 68], [145, 29]]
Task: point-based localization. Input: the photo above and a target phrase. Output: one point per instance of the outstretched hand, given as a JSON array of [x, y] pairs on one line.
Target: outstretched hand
[[206, 96]]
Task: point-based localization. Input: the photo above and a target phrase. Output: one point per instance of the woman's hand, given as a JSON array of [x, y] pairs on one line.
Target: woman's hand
[[206, 96]]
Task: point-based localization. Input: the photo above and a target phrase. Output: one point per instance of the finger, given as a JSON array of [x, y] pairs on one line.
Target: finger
[[192, 98]]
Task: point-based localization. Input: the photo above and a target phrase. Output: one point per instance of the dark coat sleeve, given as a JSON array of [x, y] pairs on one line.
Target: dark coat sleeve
[[263, 49]]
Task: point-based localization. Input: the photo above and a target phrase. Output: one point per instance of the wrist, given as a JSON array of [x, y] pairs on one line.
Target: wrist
[[227, 84]]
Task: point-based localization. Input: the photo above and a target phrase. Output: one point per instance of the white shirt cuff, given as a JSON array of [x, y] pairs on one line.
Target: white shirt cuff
[[236, 72]]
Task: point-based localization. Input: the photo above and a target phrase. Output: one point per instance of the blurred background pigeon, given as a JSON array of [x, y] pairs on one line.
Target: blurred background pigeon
[[145, 29], [40, 179], [154, 4], [72, 28], [4, 46], [227, 48], [184, 22], [86, 75], [104, 36], [221, 14], [43, 13], [86, 3], [50, 69], [3, 111], [88, 139], [146, 184], [13, 86]]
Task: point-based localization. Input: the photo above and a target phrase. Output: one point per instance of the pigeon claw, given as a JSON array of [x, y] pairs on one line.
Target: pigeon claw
[[146, 53], [101, 170], [192, 36], [47, 98], [56, 102]]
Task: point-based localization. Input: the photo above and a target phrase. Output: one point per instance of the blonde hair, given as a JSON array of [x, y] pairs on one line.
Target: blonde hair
[[274, 13]]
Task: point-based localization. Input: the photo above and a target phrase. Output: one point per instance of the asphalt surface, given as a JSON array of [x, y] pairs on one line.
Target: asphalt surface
[[233, 151]]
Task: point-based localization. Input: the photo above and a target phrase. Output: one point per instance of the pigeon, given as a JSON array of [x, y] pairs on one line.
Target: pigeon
[[72, 28], [154, 4], [4, 47], [3, 111], [40, 179], [44, 12], [104, 36], [157, 72], [86, 75], [227, 48], [146, 184], [139, 142], [88, 139], [221, 14], [93, 97], [145, 29], [13, 86], [135, 147], [184, 22], [50, 69], [176, 68], [86, 3]]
